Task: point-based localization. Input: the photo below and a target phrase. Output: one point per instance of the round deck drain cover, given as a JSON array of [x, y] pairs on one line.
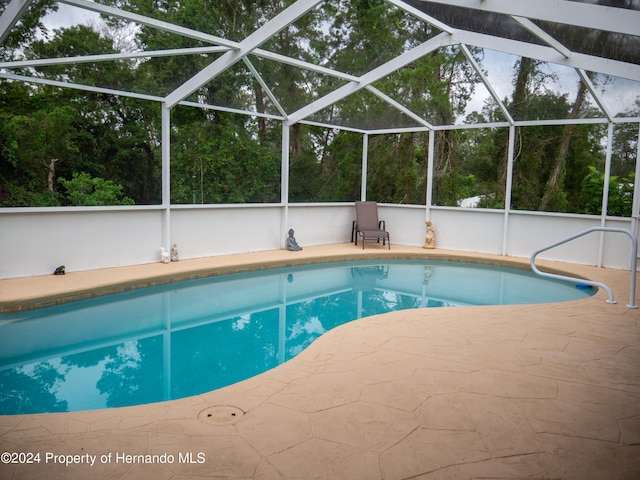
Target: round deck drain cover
[[221, 414]]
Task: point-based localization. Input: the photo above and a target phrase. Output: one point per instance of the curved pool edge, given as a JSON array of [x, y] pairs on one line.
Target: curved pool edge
[[40, 291]]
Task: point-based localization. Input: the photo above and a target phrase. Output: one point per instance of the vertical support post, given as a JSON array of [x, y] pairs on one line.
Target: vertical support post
[[635, 211], [605, 191], [430, 162], [508, 187], [166, 177], [365, 167], [284, 186]]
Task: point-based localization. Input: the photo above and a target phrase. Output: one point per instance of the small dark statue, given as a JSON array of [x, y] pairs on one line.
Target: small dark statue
[[59, 270], [291, 242]]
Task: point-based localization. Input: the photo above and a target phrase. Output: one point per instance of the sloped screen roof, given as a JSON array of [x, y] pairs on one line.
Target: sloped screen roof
[[313, 65]]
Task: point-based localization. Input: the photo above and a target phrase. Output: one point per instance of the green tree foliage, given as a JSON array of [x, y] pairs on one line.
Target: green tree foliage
[[620, 198], [215, 160], [366, 34], [83, 189], [52, 140], [25, 31], [550, 162], [48, 133]]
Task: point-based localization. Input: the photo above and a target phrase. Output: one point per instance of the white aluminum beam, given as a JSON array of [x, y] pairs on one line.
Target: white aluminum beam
[[508, 189], [140, 96], [11, 15], [635, 209], [112, 56], [261, 35], [421, 15], [142, 20], [542, 35], [334, 127], [76, 86], [276, 57], [430, 169], [189, 33], [186, 32], [486, 83], [592, 89], [563, 121], [627, 120], [231, 110], [467, 126], [364, 169], [396, 131], [441, 40], [598, 17], [399, 106], [264, 86], [590, 63]]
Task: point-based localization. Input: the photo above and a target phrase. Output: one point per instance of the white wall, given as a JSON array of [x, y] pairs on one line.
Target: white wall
[[321, 224], [202, 231], [468, 229], [617, 251], [36, 241], [529, 232], [405, 223]]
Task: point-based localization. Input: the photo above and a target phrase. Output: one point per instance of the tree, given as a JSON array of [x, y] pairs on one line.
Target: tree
[[27, 28], [220, 157], [620, 194], [83, 189], [103, 135]]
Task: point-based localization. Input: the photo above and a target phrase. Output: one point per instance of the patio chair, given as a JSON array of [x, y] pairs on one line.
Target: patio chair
[[367, 225], [365, 278]]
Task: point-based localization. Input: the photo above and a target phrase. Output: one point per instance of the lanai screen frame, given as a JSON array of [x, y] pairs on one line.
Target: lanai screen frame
[[546, 49]]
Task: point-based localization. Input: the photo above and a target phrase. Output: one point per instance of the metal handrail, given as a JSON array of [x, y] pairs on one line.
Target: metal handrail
[[634, 259]]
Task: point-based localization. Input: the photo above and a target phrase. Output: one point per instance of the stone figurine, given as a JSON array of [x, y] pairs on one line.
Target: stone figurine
[[430, 238], [174, 253], [292, 244], [164, 255]]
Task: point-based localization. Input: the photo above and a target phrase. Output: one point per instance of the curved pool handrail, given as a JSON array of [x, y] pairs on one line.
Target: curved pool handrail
[[634, 259]]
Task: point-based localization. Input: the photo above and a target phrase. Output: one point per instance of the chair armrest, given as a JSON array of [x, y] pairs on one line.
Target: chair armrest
[[382, 225]]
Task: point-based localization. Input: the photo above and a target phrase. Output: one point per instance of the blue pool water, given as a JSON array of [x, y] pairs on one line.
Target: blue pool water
[[182, 339]]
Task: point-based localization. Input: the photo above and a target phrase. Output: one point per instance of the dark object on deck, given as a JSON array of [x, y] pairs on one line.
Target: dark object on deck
[[367, 224]]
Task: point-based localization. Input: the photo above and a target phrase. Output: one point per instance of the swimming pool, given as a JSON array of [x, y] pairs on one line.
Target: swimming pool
[[182, 339]]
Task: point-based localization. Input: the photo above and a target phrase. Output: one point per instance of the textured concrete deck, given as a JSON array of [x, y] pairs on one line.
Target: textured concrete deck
[[542, 391]]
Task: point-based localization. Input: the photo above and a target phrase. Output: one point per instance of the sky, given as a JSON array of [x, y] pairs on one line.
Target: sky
[[68, 15]]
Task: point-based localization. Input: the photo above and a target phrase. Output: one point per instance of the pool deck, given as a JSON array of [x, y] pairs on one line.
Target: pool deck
[[529, 391]]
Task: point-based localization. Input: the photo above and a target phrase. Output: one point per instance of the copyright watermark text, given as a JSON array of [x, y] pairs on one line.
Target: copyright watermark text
[[25, 458]]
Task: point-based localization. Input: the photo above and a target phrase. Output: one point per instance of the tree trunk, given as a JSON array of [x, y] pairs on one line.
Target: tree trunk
[[295, 130], [260, 108], [51, 175], [555, 180], [518, 105]]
